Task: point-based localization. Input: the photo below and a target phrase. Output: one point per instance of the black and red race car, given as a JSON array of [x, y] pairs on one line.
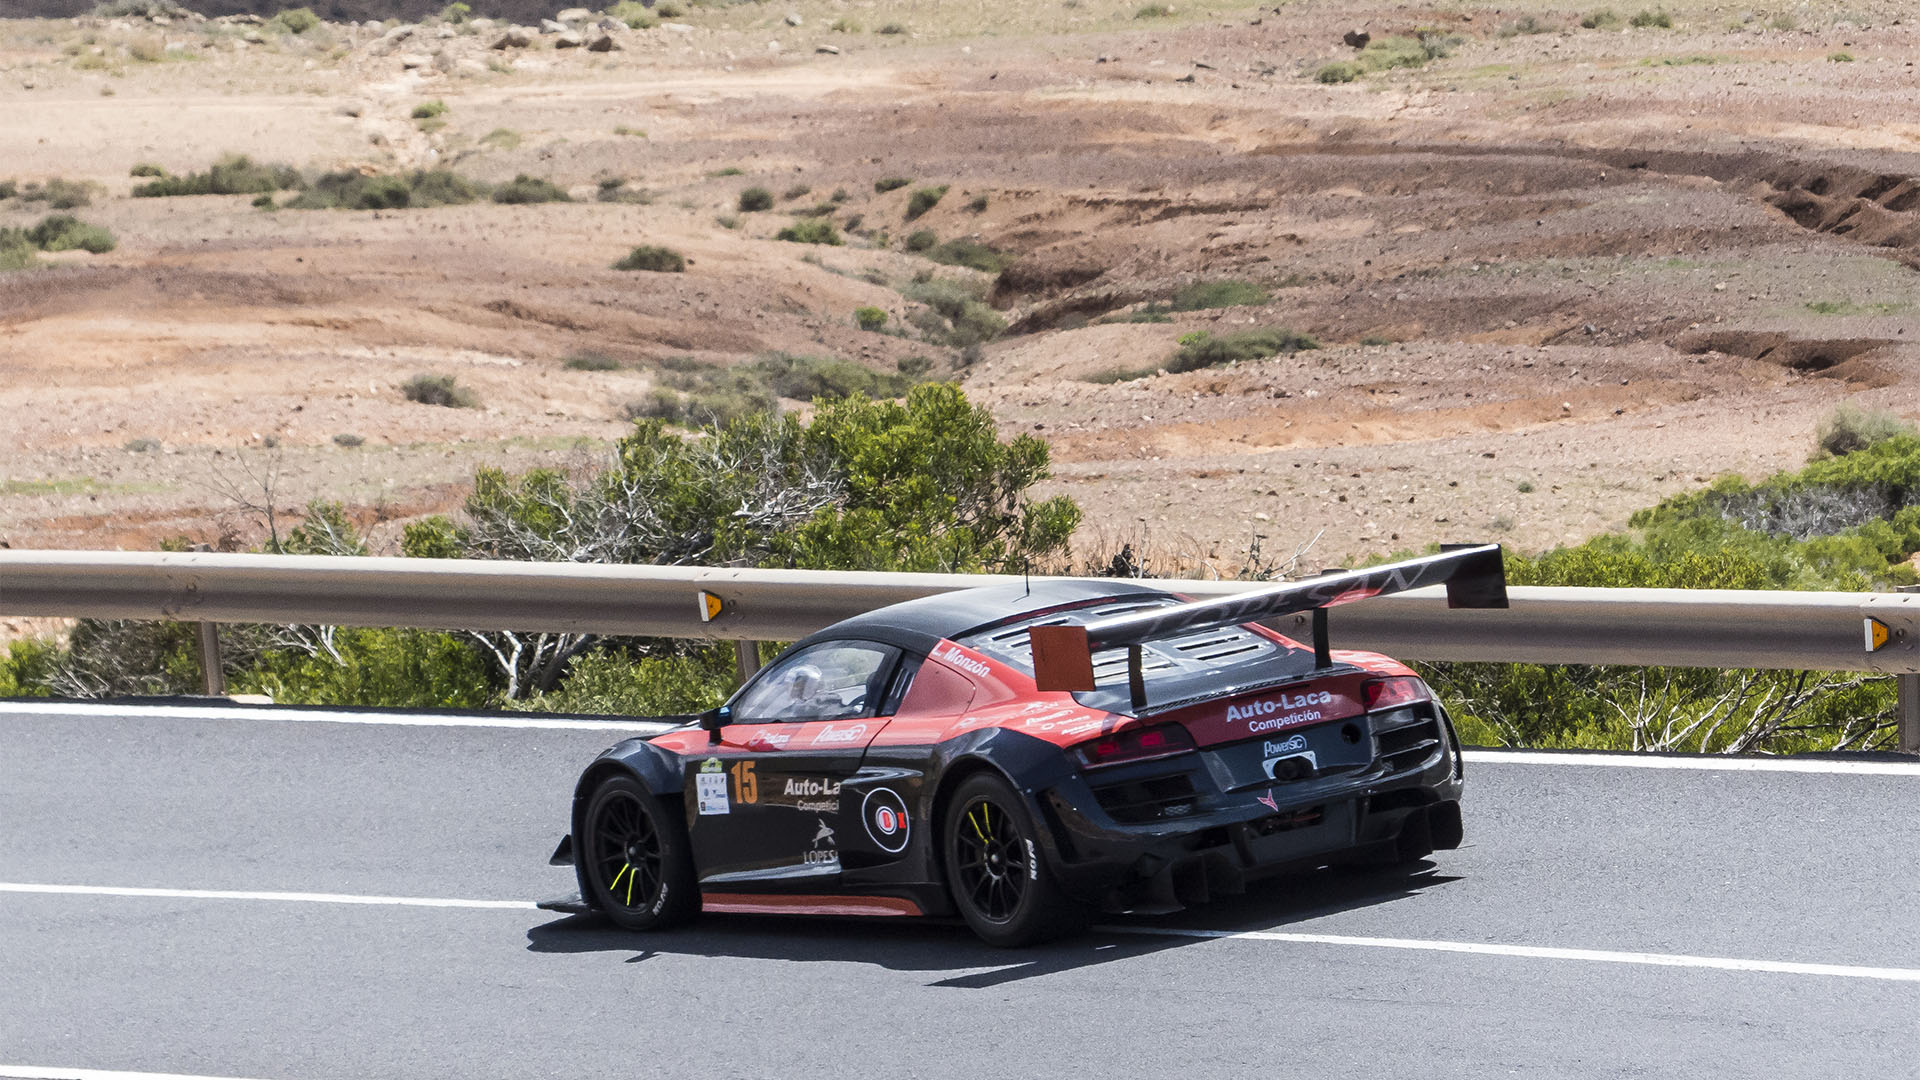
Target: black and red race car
[[1023, 756]]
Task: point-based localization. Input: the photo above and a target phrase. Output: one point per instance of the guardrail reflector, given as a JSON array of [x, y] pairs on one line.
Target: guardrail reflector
[[1877, 634], [710, 606]]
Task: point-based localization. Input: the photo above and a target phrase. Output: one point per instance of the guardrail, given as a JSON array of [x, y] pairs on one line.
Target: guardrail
[[1823, 631]]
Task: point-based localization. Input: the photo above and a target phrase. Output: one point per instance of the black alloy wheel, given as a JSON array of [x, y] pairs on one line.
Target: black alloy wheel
[[633, 861], [999, 878]]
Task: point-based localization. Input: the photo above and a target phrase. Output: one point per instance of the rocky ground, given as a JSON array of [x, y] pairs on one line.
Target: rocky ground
[[1555, 275]]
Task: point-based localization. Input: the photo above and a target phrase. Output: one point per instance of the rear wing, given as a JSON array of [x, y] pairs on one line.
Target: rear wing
[[1475, 577]]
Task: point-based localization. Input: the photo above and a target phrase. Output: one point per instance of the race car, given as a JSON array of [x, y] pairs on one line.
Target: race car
[[1025, 755]]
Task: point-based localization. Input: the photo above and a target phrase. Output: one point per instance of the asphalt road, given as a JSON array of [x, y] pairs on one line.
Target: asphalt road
[[1524, 953]]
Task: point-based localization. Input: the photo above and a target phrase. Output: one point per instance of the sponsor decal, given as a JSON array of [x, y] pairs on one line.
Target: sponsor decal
[[799, 785], [1033, 862], [660, 902], [823, 846], [818, 806], [710, 789], [1268, 801], [836, 736], [1279, 723], [712, 764], [775, 740], [746, 786], [954, 656], [884, 813], [1283, 702], [1087, 728], [1287, 750]]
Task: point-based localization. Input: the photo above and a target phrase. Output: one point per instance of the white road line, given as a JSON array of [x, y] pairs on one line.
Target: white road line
[[280, 897], [292, 714], [43, 1073], [1531, 952], [26, 707], [1541, 952], [1700, 763]]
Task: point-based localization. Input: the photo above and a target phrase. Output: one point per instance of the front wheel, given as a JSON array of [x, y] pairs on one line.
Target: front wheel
[[634, 858], [999, 880]]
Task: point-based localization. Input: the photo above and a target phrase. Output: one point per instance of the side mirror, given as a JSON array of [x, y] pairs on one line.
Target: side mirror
[[715, 719]]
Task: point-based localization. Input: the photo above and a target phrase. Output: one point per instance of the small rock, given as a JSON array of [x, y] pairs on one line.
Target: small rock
[[830, 50], [515, 38], [398, 33], [411, 61], [1188, 77], [793, 18], [1357, 38], [254, 37], [773, 46], [480, 24], [1103, 59], [568, 40], [610, 24], [444, 33], [603, 43], [1263, 517], [370, 24], [677, 27], [548, 26], [574, 15]]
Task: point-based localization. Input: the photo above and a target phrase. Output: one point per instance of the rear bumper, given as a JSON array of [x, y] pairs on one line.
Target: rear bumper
[[1231, 838]]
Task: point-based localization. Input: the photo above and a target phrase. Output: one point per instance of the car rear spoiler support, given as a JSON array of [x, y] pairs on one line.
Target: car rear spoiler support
[[1474, 574]]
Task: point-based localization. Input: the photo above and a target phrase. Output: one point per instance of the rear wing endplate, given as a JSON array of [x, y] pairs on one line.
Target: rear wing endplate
[[1475, 577]]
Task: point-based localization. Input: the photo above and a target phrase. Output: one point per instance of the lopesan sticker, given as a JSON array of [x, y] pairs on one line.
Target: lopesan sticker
[[823, 852]]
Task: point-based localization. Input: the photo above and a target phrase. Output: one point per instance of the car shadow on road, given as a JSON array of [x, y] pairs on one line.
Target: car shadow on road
[[946, 947]]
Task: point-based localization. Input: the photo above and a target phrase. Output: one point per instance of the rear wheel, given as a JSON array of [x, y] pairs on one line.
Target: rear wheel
[[1001, 884], [634, 860]]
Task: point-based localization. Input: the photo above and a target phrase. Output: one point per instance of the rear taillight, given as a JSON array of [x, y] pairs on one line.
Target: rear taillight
[[1394, 692], [1139, 744]]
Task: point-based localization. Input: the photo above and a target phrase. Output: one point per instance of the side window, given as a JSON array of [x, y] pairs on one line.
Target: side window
[[902, 680], [834, 680]]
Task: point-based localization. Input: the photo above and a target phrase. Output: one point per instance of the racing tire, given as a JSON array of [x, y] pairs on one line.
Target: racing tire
[[634, 860], [1001, 883]]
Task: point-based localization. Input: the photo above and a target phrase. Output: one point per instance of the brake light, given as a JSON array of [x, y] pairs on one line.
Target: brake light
[[1138, 744], [1390, 693]]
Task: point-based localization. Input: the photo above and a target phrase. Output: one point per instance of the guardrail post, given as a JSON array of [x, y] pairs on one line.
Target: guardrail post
[[1909, 712], [212, 676], [747, 653]]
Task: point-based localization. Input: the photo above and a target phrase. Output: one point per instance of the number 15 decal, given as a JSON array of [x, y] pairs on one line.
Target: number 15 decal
[[746, 786]]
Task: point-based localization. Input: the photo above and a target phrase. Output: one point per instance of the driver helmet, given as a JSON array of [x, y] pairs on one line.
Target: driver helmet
[[804, 682]]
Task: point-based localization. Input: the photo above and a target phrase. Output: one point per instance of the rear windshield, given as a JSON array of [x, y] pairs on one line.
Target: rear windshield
[[1177, 667]]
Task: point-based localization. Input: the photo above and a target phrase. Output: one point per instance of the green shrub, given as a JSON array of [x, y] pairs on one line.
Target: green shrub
[[891, 28], [924, 199], [235, 174], [456, 12], [978, 205], [1840, 57], [441, 187], [1527, 24], [501, 138], [27, 668], [295, 20], [60, 194], [956, 314], [1228, 292], [415, 669], [797, 190], [1604, 19], [755, 198], [921, 240], [1153, 11], [9, 188], [650, 257], [348, 440], [914, 367], [891, 183], [264, 202], [1201, 349], [1340, 71], [815, 211], [589, 360], [16, 251], [1653, 17], [441, 390], [812, 231], [147, 169], [427, 110], [1849, 428], [970, 253], [727, 221], [634, 14], [64, 232], [870, 318], [612, 683], [528, 189], [813, 378], [731, 170]]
